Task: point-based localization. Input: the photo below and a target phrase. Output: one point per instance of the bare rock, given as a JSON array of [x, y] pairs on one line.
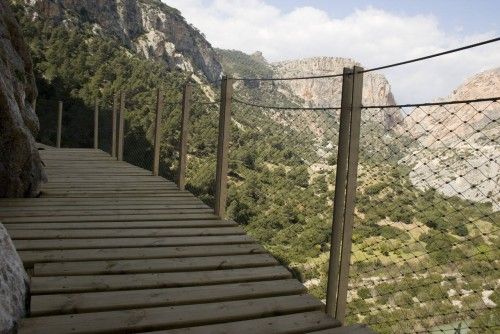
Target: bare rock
[[461, 152], [149, 28], [21, 170], [14, 284], [325, 92]]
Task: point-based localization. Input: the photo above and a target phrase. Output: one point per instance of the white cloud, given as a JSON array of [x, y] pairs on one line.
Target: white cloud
[[370, 36]]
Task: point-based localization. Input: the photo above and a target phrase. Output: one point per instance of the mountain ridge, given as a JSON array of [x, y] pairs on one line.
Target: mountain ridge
[[147, 27]]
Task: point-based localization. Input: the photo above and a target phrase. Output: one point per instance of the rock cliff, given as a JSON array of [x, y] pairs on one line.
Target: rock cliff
[[460, 142], [327, 91], [147, 27], [13, 284], [21, 171]]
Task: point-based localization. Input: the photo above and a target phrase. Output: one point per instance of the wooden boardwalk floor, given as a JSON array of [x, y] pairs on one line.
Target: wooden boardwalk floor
[[112, 249]]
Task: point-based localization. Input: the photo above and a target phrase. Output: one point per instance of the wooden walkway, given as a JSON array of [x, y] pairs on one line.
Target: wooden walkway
[[112, 249]]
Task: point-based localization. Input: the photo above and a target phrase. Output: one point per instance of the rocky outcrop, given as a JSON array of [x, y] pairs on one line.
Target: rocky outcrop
[[21, 170], [146, 27], [458, 150], [325, 92], [13, 284]]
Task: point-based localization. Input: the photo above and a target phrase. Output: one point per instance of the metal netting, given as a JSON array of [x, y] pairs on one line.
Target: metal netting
[[169, 139], [202, 149], [426, 234], [46, 110], [105, 127], [282, 176], [139, 128], [77, 128]]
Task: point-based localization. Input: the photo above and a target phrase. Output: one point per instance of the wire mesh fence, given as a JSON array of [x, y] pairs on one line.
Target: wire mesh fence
[[105, 125], [426, 226], [426, 234], [139, 129], [202, 149], [77, 128], [282, 176], [46, 111]]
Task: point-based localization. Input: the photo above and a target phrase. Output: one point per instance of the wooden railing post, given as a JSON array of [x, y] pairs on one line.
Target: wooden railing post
[[96, 124], [113, 125], [157, 135], [223, 147], [345, 193], [186, 110], [59, 124], [121, 127], [350, 201]]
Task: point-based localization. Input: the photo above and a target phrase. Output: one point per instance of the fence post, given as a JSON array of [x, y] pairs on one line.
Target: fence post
[[223, 147], [113, 125], [96, 124], [156, 155], [350, 201], [345, 193], [59, 124], [339, 199], [121, 126], [186, 109]]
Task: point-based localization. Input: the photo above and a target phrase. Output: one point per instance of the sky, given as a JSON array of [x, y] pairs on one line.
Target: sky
[[371, 32]]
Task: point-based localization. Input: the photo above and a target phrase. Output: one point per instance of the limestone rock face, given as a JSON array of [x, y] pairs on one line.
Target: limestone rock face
[[325, 92], [21, 170], [147, 27], [462, 152], [13, 284]]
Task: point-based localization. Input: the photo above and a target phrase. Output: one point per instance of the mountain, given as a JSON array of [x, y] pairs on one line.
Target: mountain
[[325, 92], [146, 27], [321, 92], [466, 135]]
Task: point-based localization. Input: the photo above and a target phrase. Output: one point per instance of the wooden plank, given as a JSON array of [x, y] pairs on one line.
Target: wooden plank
[[62, 179], [169, 317], [296, 323], [54, 150], [94, 188], [31, 257], [129, 242], [10, 211], [109, 218], [116, 300], [121, 224], [154, 265], [355, 329], [111, 192], [81, 212], [122, 233], [66, 284], [94, 200]]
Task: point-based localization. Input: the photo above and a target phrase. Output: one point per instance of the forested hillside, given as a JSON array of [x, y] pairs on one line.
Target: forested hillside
[[412, 245]]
